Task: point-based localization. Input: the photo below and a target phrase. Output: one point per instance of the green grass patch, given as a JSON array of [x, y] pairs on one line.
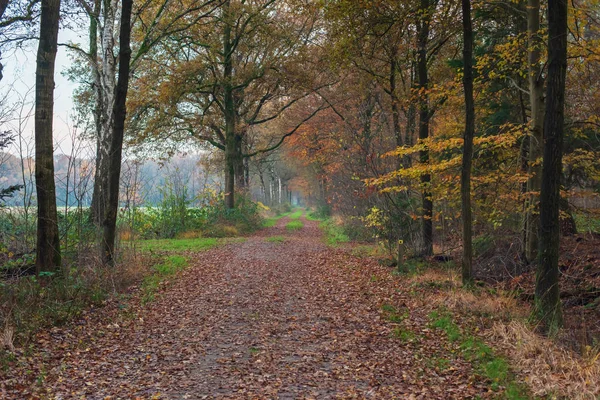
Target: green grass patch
[[403, 335], [296, 214], [392, 315], [587, 222], [411, 267], [275, 239], [272, 221], [445, 323], [334, 234], [160, 272], [294, 225], [312, 216], [486, 363]]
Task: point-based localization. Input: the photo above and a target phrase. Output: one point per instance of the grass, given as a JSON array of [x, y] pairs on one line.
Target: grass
[[294, 225], [296, 214], [413, 266], [178, 245], [485, 362], [392, 314], [275, 239], [445, 323], [311, 216], [160, 272], [272, 221], [334, 234], [587, 222], [403, 335]]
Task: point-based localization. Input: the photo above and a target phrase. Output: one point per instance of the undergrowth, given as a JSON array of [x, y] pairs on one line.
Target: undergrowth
[[294, 225], [334, 233]]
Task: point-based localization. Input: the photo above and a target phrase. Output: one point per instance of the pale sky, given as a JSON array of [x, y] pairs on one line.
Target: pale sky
[[19, 71]]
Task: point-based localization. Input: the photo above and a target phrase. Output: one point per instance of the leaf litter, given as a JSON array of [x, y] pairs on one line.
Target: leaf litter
[[254, 320]]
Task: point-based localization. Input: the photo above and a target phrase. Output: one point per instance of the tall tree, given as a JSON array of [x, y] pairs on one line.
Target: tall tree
[[423, 24], [467, 158], [547, 294], [116, 140], [222, 81], [48, 257], [157, 21], [535, 138]]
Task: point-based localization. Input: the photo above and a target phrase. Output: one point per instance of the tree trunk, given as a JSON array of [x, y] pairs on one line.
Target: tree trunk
[[424, 116], [104, 83], [536, 98], [231, 147], [467, 159], [116, 142], [547, 295], [48, 256]]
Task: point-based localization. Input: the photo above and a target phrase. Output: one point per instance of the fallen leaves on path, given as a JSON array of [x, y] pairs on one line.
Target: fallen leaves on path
[[288, 320]]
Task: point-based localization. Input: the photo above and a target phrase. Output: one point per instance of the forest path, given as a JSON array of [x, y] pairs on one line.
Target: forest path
[[264, 319]]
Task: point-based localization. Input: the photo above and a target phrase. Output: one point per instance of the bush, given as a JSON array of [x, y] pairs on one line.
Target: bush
[[173, 218]]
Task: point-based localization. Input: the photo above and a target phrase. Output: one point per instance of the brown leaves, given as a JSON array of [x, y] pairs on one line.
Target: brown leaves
[[250, 321]]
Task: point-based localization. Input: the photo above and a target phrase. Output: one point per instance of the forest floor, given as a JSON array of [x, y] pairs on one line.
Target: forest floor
[[279, 315]]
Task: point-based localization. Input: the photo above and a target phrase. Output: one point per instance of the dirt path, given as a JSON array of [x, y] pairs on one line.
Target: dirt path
[[257, 320]]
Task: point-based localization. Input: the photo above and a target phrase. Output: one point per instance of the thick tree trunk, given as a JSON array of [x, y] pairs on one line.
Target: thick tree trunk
[[467, 159], [424, 116], [232, 152], [118, 130], [547, 295], [48, 256], [536, 97]]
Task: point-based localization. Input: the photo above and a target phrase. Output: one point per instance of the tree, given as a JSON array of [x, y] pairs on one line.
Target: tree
[[467, 158], [219, 82], [157, 21], [119, 112], [48, 255], [547, 293], [423, 24], [535, 138]]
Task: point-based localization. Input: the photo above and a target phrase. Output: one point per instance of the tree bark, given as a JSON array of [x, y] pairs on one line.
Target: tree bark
[[547, 295], [48, 257], [467, 159], [536, 98], [105, 77], [229, 111], [116, 138], [424, 117]]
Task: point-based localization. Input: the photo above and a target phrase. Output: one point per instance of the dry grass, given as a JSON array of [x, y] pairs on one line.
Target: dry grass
[[549, 369], [193, 234]]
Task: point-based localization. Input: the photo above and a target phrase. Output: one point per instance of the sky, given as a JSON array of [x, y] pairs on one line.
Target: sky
[[19, 81]]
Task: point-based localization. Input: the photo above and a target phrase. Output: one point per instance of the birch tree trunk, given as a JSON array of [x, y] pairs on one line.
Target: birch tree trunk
[[104, 81], [48, 256]]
